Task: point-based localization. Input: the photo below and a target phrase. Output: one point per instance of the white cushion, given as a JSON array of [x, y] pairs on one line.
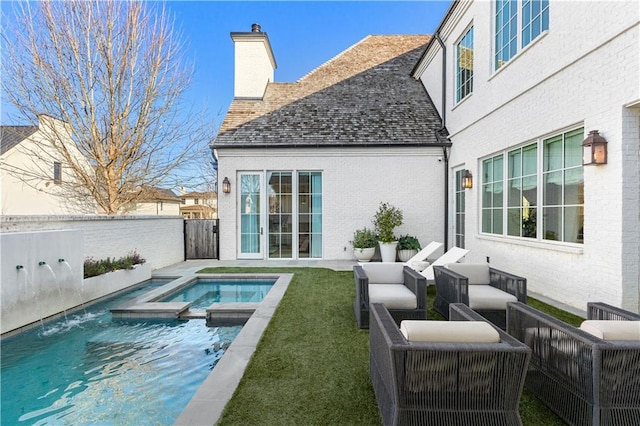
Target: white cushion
[[484, 297], [418, 265], [477, 273], [392, 296], [612, 329], [449, 331], [384, 272]]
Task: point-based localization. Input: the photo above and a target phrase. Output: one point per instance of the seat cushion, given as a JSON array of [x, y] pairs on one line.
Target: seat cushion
[[477, 273], [612, 329], [485, 297], [384, 272], [449, 331], [392, 296]]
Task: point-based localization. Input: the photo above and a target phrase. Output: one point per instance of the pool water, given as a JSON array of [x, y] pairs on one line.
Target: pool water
[[90, 369], [203, 293]]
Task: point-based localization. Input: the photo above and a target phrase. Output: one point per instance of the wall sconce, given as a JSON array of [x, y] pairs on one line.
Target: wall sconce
[[467, 180], [594, 149], [226, 185]]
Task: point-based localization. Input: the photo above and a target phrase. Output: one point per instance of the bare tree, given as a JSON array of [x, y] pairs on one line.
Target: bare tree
[[114, 73]]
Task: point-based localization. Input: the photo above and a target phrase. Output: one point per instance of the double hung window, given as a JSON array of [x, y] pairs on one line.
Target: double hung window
[[544, 197]]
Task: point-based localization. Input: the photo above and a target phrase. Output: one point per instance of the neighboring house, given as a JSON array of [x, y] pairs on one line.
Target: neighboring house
[[309, 162], [26, 156], [522, 85], [199, 205], [154, 201]]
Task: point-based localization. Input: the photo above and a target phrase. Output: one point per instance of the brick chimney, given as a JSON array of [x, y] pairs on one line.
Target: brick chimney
[[254, 63]]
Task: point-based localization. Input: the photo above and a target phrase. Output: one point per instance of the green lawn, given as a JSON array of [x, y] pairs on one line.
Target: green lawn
[[311, 366]]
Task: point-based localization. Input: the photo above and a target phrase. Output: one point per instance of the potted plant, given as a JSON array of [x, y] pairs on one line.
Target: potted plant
[[386, 219], [408, 246], [364, 244]]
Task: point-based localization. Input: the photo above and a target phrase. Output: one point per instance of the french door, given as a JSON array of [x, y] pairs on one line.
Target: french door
[[280, 215]]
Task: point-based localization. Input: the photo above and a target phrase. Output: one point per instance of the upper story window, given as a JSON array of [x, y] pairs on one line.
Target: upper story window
[[464, 66], [196, 201], [511, 32], [57, 172], [535, 19], [183, 201]]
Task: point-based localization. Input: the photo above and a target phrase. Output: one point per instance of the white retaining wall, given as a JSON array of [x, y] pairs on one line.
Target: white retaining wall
[[158, 239]]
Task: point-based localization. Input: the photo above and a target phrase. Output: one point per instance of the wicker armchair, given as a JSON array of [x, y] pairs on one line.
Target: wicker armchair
[[478, 290], [408, 282], [424, 383], [582, 378]]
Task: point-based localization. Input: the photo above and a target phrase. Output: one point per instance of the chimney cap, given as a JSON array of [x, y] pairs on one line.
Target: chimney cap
[[255, 28]]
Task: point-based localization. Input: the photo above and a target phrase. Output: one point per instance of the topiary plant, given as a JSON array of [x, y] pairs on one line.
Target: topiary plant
[[364, 238], [386, 219]]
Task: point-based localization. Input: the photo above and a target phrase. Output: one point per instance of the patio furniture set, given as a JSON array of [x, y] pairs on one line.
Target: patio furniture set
[[472, 368]]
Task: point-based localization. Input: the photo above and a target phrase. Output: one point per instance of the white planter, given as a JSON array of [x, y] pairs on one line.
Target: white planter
[[364, 254], [405, 255], [388, 251], [102, 285]]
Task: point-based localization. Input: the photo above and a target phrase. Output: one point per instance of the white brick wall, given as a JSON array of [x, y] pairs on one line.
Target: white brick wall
[[253, 66], [583, 72], [158, 239], [354, 183]]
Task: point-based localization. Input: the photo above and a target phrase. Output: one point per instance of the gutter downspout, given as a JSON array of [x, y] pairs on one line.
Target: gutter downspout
[[445, 154]]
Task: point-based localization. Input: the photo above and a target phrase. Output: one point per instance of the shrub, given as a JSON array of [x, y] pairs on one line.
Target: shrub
[[408, 242], [93, 268], [386, 219], [364, 238]]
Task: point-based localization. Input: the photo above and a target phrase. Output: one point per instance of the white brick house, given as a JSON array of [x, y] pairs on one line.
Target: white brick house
[[309, 162], [517, 109]]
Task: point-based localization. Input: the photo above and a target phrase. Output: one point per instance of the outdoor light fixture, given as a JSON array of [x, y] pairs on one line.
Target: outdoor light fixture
[[594, 149], [226, 185], [467, 180]]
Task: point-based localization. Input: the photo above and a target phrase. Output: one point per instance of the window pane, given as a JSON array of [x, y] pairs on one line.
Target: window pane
[[553, 154], [529, 226], [574, 186], [529, 160], [574, 224], [464, 65], [553, 188], [487, 171], [573, 148], [497, 194], [497, 168], [515, 193], [486, 220], [514, 222], [497, 221], [552, 223], [487, 196], [530, 191], [515, 163]]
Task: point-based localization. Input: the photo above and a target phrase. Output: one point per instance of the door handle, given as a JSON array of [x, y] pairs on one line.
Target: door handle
[[261, 229]]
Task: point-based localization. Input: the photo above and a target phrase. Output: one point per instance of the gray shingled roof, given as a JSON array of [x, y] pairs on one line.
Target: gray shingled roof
[[363, 97], [11, 136]]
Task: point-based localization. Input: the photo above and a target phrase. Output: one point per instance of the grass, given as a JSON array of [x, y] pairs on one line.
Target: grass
[[311, 366]]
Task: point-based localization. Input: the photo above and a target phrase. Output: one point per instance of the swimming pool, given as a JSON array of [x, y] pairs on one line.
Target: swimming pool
[[91, 369], [202, 293]]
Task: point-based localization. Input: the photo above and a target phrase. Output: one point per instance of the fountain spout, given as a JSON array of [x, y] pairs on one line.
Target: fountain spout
[[42, 263], [18, 267], [60, 260]]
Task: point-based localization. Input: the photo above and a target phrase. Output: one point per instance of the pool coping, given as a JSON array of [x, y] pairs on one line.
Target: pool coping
[[207, 404]]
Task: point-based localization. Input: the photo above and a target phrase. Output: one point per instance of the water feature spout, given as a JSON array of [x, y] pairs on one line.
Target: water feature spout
[[42, 263], [18, 267], [60, 260]]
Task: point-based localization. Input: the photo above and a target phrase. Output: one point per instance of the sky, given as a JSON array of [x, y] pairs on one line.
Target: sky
[[303, 35]]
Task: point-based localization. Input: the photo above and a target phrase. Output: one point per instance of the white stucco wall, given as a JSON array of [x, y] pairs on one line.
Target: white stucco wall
[[158, 239], [156, 208], [355, 181], [584, 72]]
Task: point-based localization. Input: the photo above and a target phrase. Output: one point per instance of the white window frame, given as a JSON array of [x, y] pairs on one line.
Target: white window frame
[[540, 200], [518, 38], [457, 72]]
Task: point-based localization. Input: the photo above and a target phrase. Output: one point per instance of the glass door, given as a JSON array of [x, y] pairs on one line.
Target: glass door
[[459, 202], [251, 222], [280, 193]]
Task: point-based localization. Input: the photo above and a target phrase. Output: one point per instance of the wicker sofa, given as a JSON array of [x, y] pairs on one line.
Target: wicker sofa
[[398, 286], [484, 289], [584, 379], [423, 383]]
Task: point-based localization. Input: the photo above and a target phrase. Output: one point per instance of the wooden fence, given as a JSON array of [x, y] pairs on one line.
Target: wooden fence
[[201, 239]]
